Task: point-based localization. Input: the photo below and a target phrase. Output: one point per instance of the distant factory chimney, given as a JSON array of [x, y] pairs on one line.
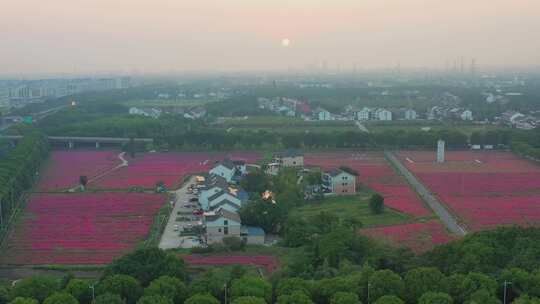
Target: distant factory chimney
[[440, 151]]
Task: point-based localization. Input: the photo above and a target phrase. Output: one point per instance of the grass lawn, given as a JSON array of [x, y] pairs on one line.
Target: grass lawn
[[355, 206]]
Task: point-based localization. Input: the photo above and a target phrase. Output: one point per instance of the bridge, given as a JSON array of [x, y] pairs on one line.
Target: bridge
[[70, 141]]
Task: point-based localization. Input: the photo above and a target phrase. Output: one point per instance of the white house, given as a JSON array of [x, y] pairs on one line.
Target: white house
[[221, 224], [224, 199], [466, 115], [290, 158], [322, 114], [410, 114], [363, 114], [383, 114], [212, 185], [339, 182], [225, 169]]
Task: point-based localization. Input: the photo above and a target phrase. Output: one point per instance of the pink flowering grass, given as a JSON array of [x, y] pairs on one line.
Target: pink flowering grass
[[420, 237], [85, 228], [485, 189], [270, 263], [146, 169], [64, 168], [375, 172]]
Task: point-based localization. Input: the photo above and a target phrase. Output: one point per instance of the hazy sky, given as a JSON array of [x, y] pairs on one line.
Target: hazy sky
[[160, 35]]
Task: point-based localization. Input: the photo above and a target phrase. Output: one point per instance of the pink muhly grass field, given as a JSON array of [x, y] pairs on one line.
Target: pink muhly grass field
[[485, 189], [420, 237], [87, 228], [146, 169], [375, 172], [64, 167]]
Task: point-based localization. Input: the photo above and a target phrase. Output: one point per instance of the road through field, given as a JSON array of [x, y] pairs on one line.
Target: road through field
[[446, 217]]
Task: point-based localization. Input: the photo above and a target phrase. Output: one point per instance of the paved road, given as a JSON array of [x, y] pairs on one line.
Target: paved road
[[446, 217], [170, 238]]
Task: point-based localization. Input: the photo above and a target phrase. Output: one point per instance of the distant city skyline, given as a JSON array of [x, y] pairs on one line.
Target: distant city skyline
[[89, 36]]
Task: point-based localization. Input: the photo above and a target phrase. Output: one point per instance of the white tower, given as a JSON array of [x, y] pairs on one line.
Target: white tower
[[440, 151]]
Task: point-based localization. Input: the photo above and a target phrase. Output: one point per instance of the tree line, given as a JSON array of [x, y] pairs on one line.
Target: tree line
[[475, 270], [18, 170]]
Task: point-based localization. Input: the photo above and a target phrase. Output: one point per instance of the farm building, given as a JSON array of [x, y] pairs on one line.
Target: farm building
[[339, 182], [221, 224], [290, 158], [225, 169]]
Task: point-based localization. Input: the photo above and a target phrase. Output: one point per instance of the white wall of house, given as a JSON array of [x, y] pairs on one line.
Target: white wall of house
[[466, 115], [363, 114], [410, 114], [324, 115], [220, 228], [384, 115]]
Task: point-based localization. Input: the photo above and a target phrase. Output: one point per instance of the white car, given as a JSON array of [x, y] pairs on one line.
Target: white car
[[176, 228]]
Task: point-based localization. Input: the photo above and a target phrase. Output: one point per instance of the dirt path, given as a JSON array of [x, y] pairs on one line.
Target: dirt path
[[448, 219], [124, 163]]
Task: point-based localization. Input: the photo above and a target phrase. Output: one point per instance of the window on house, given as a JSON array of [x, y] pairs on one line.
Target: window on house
[[219, 230], [226, 230], [226, 222]]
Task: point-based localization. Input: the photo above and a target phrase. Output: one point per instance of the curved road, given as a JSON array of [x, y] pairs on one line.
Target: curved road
[[446, 217]]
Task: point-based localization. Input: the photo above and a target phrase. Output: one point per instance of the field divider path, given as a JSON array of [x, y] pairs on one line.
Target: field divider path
[[124, 163], [449, 220]]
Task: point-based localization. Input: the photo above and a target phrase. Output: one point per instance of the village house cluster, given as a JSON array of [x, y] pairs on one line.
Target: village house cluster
[[221, 198]]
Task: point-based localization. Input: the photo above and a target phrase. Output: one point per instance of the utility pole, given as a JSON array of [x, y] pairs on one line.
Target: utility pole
[[506, 283], [93, 293], [368, 286], [225, 286]]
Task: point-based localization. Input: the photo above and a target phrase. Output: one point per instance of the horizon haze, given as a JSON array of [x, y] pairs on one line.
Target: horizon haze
[[66, 36]]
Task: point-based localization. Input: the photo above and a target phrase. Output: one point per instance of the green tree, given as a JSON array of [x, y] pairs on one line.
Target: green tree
[[526, 299], [389, 300], [169, 287], [4, 295], [202, 299], [376, 203], [154, 299], [483, 296], [345, 298], [109, 298], [127, 287], [296, 297], [60, 298], [80, 289], [37, 287], [147, 265], [435, 298], [290, 285], [21, 300], [248, 300], [386, 283], [421, 280], [212, 281], [255, 182], [251, 286], [326, 288]]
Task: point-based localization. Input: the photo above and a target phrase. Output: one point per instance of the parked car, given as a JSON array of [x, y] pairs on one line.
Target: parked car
[[194, 199], [176, 227]]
